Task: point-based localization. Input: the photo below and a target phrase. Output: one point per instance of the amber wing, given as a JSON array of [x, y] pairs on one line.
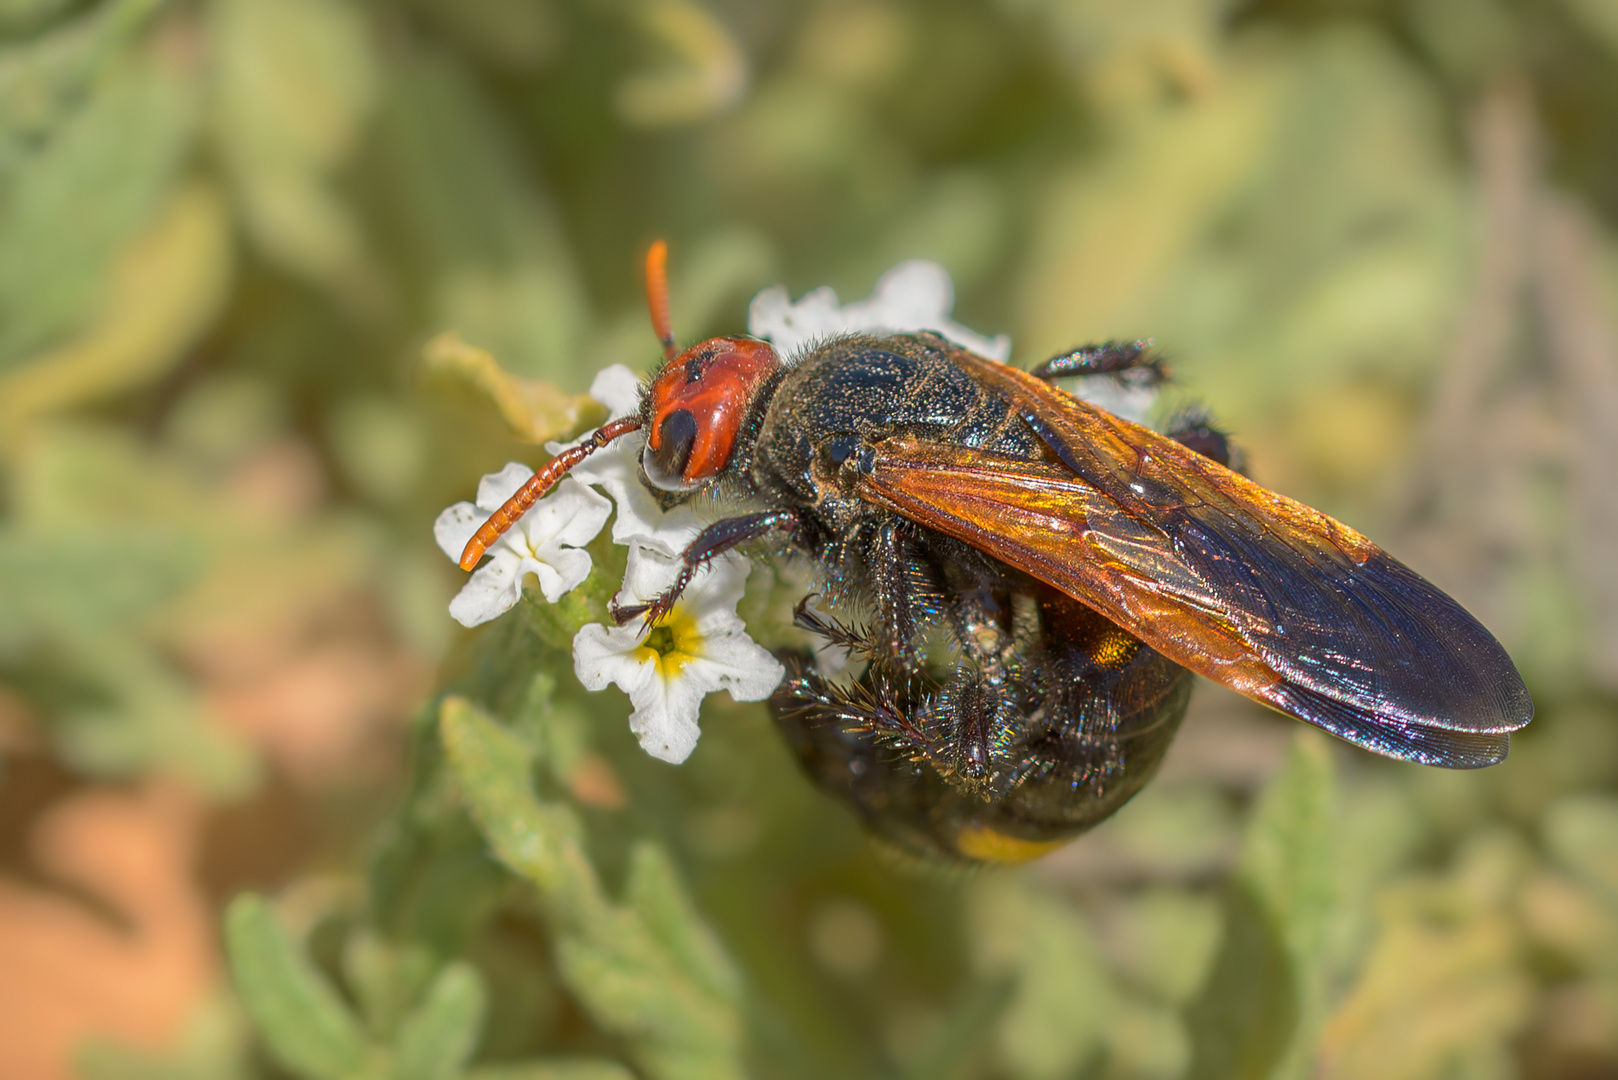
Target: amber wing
[[1249, 588]]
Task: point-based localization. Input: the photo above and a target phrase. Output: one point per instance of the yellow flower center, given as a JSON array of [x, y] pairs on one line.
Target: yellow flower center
[[673, 643]]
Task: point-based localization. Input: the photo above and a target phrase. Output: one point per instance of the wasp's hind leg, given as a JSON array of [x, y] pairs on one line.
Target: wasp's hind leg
[[831, 730], [876, 708], [890, 705], [1133, 362], [1193, 426]]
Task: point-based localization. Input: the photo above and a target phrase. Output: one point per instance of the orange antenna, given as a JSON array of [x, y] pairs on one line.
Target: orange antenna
[[657, 295], [536, 487]]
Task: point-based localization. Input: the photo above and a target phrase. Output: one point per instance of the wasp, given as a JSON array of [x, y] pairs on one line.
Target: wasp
[[1037, 582]]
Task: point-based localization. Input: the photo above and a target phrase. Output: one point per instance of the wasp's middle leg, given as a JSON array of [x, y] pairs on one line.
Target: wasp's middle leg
[[1132, 361]]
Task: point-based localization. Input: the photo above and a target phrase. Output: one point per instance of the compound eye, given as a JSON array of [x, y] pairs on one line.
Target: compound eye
[[665, 465]]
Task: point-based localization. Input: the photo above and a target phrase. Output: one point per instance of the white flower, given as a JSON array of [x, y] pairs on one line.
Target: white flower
[[1130, 400], [616, 467], [915, 295], [699, 648], [618, 389], [544, 543]]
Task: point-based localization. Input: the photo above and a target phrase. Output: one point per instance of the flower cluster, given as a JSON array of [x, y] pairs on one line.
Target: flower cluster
[[915, 295], [702, 645], [699, 648]]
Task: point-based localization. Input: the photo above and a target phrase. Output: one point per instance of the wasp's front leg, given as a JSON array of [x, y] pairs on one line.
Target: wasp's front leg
[[710, 543]]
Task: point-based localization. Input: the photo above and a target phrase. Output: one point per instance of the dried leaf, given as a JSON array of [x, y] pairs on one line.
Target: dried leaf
[[534, 411]]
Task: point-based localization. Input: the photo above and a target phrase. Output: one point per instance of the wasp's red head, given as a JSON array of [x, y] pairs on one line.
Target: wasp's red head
[[696, 408]]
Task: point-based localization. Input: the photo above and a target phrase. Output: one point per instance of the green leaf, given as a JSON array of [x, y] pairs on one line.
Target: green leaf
[[145, 718], [296, 79], [485, 239], [307, 1026], [1059, 1012], [1262, 997], [71, 583], [967, 1027], [16, 15], [214, 1044], [517, 35], [165, 287], [558, 1069], [386, 979], [1289, 852], [1244, 1019], [1163, 940], [1582, 832], [1445, 982], [437, 1039], [90, 189], [536, 841], [44, 79], [655, 894], [648, 972], [709, 72]]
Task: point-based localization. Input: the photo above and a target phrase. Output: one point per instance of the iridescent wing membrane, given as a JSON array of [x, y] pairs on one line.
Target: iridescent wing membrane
[[1251, 589]]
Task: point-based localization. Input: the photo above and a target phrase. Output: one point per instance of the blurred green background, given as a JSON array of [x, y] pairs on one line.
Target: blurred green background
[[1377, 237]]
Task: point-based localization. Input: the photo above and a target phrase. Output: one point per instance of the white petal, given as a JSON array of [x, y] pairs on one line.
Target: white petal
[[915, 295], [618, 389], [769, 314], [713, 594], [913, 292], [665, 717], [603, 654], [615, 463], [496, 488], [455, 527], [640, 519], [735, 662], [647, 573], [572, 514], [559, 570], [489, 593], [789, 327], [1128, 401]]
